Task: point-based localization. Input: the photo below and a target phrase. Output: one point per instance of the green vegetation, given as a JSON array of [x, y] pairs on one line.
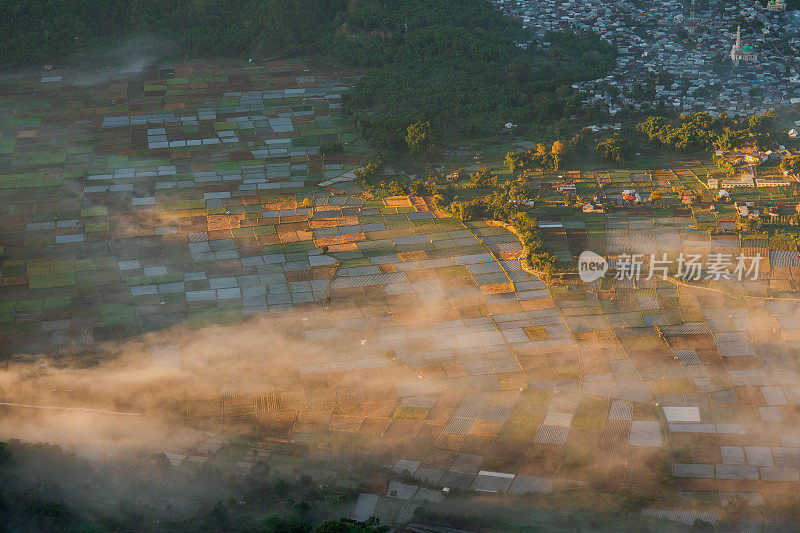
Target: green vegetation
[[777, 239], [616, 148], [500, 206], [420, 137], [447, 63], [703, 132], [725, 166], [540, 157], [457, 61], [43, 488], [791, 164], [493, 199], [210, 28], [331, 148], [343, 525]]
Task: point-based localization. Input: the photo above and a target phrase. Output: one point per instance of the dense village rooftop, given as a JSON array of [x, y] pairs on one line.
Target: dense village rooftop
[[666, 56]]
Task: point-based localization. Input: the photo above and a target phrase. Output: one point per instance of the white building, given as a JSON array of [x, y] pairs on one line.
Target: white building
[[743, 181], [763, 182]]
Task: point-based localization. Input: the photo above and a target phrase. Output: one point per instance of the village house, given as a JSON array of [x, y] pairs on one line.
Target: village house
[[567, 188]]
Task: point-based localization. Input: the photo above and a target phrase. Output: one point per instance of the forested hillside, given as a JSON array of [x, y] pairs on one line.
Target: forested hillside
[[458, 61], [46, 30]]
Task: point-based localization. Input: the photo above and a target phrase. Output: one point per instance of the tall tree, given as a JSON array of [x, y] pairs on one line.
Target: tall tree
[[420, 137]]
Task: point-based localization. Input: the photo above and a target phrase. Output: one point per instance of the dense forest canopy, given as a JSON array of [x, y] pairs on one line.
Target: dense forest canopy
[[34, 31], [440, 61], [396, 14]]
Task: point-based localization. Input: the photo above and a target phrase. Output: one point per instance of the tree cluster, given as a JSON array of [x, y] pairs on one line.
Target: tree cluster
[[616, 149], [537, 157], [725, 166], [483, 178], [698, 132], [420, 137], [546, 159], [791, 164], [502, 206], [369, 171]]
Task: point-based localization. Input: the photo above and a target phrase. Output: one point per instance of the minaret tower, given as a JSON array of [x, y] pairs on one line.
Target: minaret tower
[[737, 46]]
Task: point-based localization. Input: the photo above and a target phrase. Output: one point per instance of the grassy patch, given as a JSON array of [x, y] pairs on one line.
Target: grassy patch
[[591, 414], [411, 413], [49, 281]]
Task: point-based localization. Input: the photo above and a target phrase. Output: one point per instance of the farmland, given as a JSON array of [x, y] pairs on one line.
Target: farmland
[[163, 208]]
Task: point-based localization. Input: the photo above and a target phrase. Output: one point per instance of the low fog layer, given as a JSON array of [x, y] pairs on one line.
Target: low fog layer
[[130, 398]]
